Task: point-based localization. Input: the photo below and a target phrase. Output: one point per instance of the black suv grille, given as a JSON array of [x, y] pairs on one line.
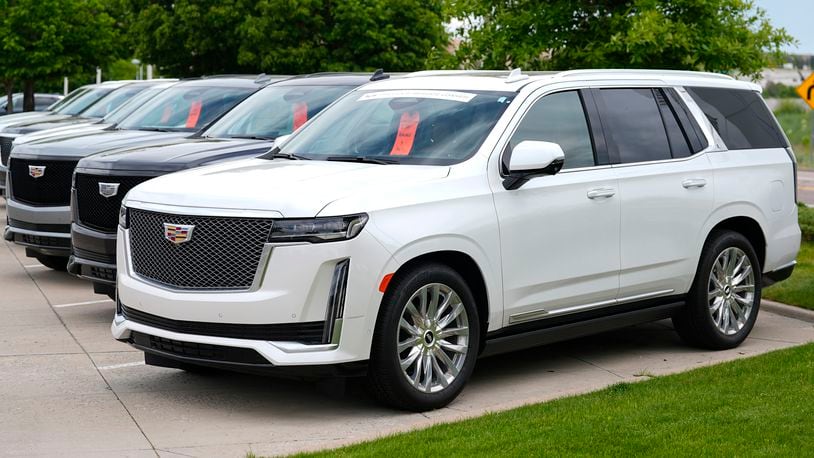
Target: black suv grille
[[309, 332], [5, 149], [53, 188], [221, 253], [95, 210]]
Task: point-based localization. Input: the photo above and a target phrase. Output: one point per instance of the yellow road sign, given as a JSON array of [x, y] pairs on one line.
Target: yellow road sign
[[806, 90]]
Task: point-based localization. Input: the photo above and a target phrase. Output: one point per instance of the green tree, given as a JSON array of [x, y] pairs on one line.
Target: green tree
[[44, 40], [187, 37], [303, 36], [194, 37], [710, 35]]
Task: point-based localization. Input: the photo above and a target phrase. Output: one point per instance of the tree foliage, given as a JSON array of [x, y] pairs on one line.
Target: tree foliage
[[186, 37], [194, 37], [47, 39], [710, 35]]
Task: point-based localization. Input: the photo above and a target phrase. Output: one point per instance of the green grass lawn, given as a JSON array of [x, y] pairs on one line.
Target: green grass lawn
[[796, 122], [799, 288], [757, 406]]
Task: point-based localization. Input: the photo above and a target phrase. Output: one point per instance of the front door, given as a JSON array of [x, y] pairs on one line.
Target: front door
[[560, 233]]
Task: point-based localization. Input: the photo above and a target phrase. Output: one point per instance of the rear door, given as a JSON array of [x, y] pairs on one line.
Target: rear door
[[665, 187]]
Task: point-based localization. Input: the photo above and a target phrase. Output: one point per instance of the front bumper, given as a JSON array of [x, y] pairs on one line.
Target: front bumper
[[46, 230], [294, 290], [93, 256]]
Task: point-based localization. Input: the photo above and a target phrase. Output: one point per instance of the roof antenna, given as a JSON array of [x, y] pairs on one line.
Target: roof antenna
[[379, 74], [516, 75], [262, 78]]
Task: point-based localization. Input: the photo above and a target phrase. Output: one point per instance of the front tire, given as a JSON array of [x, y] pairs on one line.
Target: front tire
[[723, 303], [426, 340]]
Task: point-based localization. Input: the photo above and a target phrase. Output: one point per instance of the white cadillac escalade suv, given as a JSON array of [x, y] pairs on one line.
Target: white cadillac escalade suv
[[419, 223]]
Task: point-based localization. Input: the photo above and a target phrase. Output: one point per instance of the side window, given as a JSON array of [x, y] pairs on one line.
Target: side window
[[633, 120], [740, 117], [559, 118]]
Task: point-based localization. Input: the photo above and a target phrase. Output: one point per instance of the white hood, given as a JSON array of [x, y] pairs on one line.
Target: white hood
[[292, 188]]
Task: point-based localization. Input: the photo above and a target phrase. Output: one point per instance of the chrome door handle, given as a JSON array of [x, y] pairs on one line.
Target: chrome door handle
[[694, 183], [600, 193]]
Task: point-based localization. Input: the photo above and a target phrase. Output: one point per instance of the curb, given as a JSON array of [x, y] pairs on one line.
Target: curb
[[788, 310]]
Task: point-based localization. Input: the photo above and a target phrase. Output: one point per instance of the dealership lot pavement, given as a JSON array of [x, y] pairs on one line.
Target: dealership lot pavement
[[68, 388]]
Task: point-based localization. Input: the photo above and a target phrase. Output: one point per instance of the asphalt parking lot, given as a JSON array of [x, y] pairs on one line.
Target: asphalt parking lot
[[68, 388]]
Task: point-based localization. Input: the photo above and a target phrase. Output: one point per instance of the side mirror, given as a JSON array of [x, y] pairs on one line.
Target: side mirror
[[531, 159]]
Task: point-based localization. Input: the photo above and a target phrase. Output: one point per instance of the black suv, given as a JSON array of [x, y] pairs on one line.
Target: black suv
[[102, 180]]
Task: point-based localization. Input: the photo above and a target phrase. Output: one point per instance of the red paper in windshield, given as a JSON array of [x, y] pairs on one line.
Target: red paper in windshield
[[165, 115], [194, 114], [406, 134], [300, 114]]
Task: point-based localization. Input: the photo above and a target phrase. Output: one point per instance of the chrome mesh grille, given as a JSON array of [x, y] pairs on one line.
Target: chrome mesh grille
[[222, 253]]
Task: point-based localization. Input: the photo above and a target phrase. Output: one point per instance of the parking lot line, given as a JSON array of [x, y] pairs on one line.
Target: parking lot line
[[34, 266], [119, 366], [74, 304]]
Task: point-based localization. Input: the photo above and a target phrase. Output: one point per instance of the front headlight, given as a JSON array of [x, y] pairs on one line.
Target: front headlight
[[317, 230], [123, 222]]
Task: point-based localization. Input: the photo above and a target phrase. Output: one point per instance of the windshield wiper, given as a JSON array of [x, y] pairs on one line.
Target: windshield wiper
[[155, 129], [363, 159], [253, 137], [293, 157]]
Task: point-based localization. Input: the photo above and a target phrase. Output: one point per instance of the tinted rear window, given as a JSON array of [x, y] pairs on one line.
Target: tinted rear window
[[740, 117]]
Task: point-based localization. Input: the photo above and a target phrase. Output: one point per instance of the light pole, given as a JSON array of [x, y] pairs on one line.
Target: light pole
[[137, 63]]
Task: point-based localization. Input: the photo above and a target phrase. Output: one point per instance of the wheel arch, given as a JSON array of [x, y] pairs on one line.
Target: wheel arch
[[741, 217], [469, 269]]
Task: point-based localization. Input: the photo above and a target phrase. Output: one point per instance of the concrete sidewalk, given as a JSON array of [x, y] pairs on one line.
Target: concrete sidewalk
[[67, 388]]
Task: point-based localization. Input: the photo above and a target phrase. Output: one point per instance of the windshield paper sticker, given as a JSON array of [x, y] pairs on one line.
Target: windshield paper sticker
[[406, 134], [454, 96]]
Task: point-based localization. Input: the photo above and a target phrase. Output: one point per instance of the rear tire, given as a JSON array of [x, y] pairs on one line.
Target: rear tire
[[426, 339], [723, 303], [59, 263]]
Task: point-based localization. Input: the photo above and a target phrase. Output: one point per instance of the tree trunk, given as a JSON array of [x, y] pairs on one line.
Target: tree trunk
[[28, 95], [9, 95]]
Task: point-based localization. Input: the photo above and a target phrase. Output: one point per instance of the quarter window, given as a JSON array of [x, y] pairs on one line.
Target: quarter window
[[559, 118], [740, 117]]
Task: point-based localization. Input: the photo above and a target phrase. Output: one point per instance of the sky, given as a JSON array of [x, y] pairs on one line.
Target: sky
[[797, 17]]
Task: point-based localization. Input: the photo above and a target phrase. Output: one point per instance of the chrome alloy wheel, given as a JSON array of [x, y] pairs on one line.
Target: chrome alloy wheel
[[433, 338], [731, 290]]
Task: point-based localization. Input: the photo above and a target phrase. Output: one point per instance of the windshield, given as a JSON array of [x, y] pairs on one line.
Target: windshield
[[68, 98], [81, 102], [275, 111], [185, 108], [401, 126], [112, 101], [129, 107]]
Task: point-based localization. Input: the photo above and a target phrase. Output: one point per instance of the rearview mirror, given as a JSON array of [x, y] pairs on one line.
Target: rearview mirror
[[531, 159]]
